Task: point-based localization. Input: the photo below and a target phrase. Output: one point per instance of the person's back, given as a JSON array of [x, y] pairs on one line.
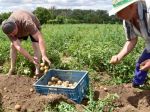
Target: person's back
[[25, 22]]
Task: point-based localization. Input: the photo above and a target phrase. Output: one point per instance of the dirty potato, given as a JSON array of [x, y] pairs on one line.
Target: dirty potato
[[59, 82], [42, 68], [42, 64], [17, 107]]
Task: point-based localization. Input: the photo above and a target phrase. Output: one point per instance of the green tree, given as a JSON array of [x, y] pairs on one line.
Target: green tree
[[4, 16], [43, 15]]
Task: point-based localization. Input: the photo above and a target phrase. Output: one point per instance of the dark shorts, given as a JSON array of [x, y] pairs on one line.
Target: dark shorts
[[26, 37]]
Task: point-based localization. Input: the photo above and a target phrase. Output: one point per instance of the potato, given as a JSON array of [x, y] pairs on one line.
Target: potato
[[46, 67], [34, 77], [50, 83], [59, 82], [42, 68], [54, 79], [45, 71], [42, 64], [105, 89], [17, 107], [31, 89], [70, 85], [67, 82], [64, 84]]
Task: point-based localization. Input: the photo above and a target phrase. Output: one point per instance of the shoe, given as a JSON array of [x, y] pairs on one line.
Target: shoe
[[135, 85]]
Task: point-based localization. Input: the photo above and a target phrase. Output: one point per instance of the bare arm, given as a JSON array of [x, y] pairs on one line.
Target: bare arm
[[19, 48], [38, 36], [127, 48]]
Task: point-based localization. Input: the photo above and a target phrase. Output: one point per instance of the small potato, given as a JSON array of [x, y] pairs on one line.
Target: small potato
[[54, 79], [70, 85], [65, 84], [105, 89], [59, 82], [45, 71], [17, 107], [42, 68], [34, 77], [42, 64], [46, 67], [50, 83]]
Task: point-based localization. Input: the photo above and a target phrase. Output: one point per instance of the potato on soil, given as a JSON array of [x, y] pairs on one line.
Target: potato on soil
[[105, 89], [34, 77], [17, 107], [31, 89], [65, 84]]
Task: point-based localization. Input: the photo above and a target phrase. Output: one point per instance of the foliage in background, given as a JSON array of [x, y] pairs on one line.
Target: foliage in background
[[79, 47], [68, 16], [4, 16]]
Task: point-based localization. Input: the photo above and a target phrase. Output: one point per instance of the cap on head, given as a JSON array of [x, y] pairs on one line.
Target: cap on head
[[8, 26], [118, 5]]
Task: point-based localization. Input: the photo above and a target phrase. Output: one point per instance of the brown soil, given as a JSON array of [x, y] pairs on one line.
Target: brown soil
[[130, 99], [17, 90]]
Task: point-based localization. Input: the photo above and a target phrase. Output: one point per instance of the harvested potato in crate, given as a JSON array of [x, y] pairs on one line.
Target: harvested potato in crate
[[79, 81]]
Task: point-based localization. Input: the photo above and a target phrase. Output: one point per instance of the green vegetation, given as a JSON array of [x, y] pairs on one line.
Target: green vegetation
[[80, 47]]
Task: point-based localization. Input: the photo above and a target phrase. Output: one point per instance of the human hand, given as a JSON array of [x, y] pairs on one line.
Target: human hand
[[145, 65], [35, 61], [115, 59], [45, 59]]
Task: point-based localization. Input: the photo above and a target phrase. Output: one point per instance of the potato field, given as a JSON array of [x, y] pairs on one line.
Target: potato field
[[76, 47]]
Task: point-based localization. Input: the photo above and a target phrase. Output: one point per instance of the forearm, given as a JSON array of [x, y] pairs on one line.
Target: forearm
[[42, 47], [127, 48], [38, 36], [24, 53]]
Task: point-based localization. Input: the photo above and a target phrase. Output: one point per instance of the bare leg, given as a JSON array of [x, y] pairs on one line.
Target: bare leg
[[13, 57], [37, 54]]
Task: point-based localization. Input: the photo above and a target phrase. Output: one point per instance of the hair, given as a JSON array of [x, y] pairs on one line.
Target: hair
[[8, 26]]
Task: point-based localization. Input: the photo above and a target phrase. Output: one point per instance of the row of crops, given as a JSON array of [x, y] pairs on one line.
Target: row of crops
[[78, 47]]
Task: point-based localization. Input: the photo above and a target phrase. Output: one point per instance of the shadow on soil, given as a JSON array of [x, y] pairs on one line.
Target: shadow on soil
[[134, 100], [1, 108]]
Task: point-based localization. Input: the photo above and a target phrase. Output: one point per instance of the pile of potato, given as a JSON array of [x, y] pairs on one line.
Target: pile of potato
[[44, 68], [56, 82]]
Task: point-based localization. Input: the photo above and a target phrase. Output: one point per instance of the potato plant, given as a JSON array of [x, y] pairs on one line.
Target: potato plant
[[90, 47]]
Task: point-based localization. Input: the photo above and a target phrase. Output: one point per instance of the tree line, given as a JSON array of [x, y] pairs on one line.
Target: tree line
[[68, 16]]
